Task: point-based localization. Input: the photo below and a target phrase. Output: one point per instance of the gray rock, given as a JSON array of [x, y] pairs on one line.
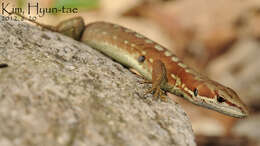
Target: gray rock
[[57, 91]]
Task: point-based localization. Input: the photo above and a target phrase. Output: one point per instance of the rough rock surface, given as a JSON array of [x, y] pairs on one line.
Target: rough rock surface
[[57, 91]]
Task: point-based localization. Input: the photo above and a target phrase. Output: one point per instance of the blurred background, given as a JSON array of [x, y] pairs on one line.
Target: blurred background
[[220, 39]]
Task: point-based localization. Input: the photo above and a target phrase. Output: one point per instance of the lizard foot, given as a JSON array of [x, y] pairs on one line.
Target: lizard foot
[[157, 93]]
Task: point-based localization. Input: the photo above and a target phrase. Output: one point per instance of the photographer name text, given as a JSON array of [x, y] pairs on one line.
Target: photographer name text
[[7, 9]]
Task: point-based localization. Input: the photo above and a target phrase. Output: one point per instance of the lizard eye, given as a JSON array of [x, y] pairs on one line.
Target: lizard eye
[[220, 99]]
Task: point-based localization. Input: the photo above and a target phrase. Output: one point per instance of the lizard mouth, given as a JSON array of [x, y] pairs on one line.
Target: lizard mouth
[[232, 111], [237, 112]]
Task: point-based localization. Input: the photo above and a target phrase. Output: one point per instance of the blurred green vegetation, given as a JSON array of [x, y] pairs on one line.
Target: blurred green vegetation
[[20, 3], [80, 4], [83, 5]]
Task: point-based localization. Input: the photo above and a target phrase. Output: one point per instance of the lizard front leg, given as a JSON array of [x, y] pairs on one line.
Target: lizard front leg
[[159, 79]]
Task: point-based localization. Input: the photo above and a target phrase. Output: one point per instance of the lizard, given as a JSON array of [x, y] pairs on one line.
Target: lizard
[[155, 63]]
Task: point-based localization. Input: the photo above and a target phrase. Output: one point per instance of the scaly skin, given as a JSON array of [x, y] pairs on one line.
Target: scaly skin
[[127, 46], [158, 65]]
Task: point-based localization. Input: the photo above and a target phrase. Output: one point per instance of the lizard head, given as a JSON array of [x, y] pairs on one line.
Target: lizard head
[[220, 98]]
